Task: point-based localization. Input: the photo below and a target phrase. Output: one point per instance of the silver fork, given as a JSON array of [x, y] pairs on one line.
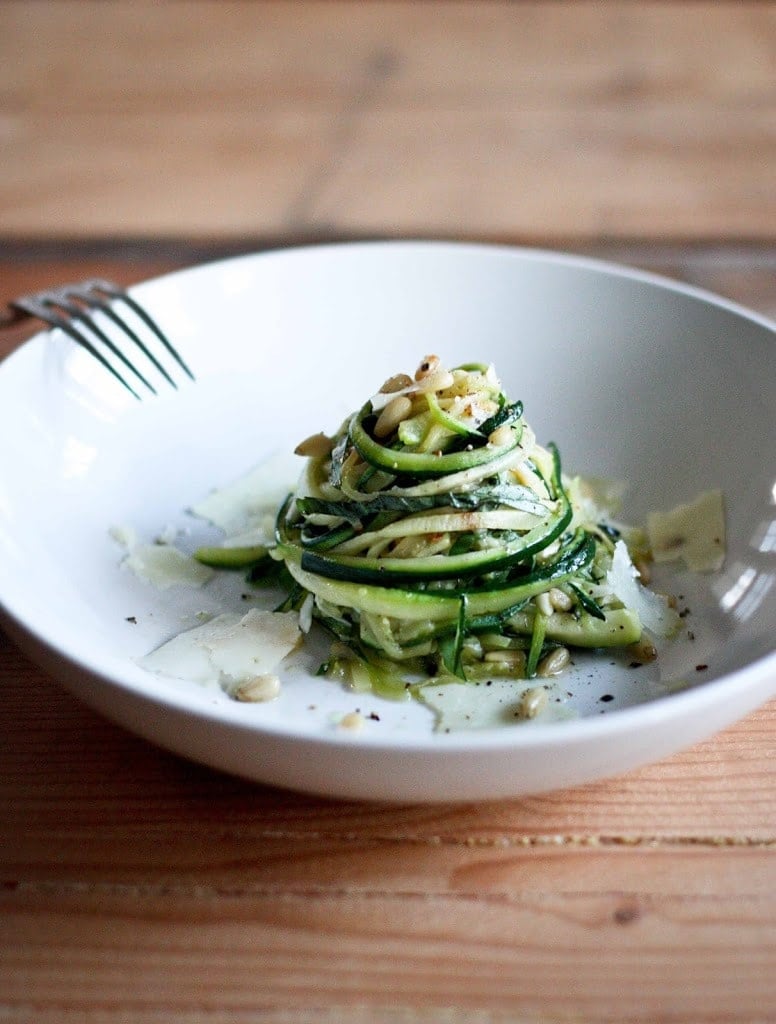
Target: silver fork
[[71, 308]]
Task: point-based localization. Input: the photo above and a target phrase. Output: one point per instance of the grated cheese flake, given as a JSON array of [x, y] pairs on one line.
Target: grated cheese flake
[[694, 532]]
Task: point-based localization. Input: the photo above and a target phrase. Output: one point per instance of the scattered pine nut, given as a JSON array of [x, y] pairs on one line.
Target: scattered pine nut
[[428, 365], [544, 603], [641, 565], [500, 436], [315, 447], [552, 664], [507, 658], [257, 690], [392, 415], [353, 721], [398, 382], [440, 380], [533, 702], [560, 600]]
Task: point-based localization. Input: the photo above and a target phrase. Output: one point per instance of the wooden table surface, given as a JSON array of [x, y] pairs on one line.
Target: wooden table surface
[[138, 137]]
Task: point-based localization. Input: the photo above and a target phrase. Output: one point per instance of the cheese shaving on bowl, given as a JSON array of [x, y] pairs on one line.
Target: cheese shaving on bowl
[[693, 532], [231, 651]]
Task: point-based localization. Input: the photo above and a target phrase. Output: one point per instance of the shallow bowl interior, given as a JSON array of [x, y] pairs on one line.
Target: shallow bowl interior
[[635, 378]]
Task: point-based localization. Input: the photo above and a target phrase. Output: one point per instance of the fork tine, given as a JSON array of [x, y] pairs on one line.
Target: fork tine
[[75, 309], [84, 293], [114, 292], [33, 306], [59, 298]]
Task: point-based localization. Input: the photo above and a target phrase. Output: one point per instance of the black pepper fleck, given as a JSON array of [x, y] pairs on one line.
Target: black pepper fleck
[[132, 619], [606, 698], [701, 668]]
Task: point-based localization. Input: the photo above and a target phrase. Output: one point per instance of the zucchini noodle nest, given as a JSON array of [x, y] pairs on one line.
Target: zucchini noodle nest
[[433, 536]]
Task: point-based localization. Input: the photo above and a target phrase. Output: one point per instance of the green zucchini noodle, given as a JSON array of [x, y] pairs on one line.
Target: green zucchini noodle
[[432, 536]]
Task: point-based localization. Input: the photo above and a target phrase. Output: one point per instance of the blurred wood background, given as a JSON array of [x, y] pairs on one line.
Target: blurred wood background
[[534, 121]]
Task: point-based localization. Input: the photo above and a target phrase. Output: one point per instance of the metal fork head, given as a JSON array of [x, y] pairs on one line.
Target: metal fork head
[[76, 308]]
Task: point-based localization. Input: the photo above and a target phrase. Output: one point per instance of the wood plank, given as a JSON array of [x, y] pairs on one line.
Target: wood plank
[[530, 121], [177, 859], [601, 957]]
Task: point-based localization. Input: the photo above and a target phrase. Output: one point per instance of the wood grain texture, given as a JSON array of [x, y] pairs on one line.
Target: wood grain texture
[[136, 887], [531, 120], [136, 138], [554, 954], [646, 897]]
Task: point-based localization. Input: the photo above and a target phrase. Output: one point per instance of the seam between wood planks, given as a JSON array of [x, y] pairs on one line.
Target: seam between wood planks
[[70, 887]]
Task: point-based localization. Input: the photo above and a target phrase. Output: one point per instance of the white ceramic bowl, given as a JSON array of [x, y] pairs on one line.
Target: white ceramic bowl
[[636, 378]]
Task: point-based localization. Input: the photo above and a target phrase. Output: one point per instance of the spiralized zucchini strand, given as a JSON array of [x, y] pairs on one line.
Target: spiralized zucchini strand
[[436, 532]]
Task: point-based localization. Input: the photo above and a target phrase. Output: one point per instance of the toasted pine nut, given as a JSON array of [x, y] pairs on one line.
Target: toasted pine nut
[[258, 689], [544, 603], [428, 365], [392, 415], [641, 566], [533, 702], [440, 380], [352, 721], [398, 382], [552, 664], [643, 651], [501, 436], [316, 446], [560, 600], [512, 659]]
